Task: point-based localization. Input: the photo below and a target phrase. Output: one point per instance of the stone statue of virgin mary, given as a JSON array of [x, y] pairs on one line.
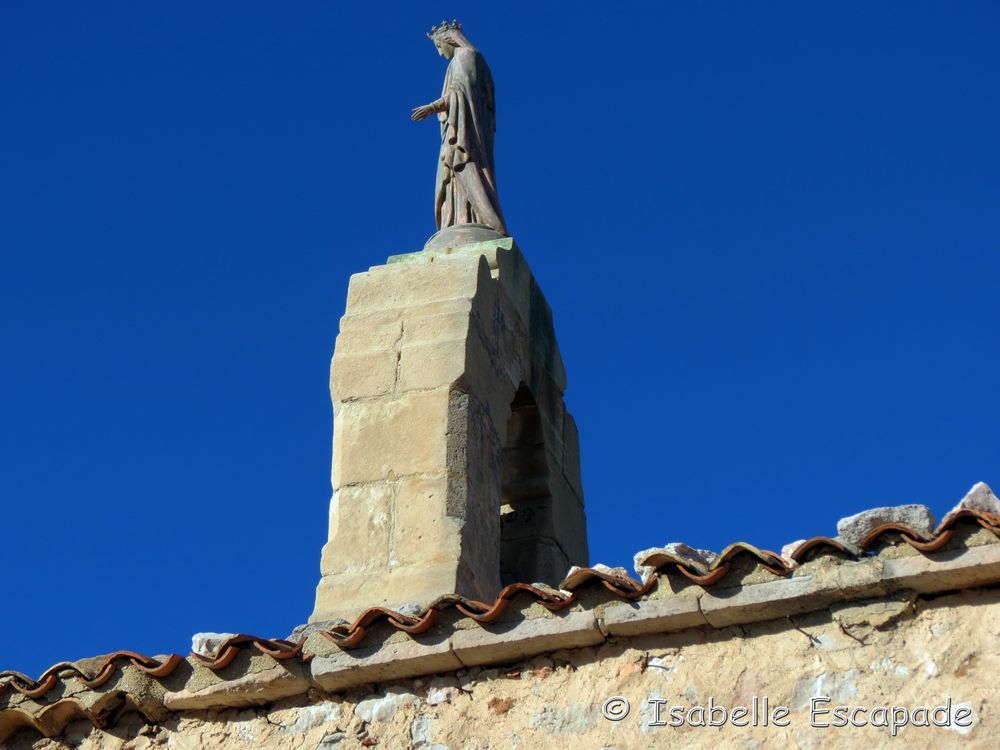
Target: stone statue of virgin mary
[[466, 189]]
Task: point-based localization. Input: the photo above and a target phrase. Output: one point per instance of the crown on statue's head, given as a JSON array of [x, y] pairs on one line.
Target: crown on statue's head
[[445, 26]]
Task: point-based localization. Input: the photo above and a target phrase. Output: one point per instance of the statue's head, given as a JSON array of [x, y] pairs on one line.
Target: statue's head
[[448, 37]]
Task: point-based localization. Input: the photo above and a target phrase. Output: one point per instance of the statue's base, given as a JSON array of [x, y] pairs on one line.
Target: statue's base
[[461, 234]]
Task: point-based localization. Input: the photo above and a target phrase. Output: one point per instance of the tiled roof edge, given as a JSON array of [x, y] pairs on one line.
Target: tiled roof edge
[[335, 658]]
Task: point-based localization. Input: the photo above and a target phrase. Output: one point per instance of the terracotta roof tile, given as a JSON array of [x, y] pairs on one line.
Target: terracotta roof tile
[[702, 567]]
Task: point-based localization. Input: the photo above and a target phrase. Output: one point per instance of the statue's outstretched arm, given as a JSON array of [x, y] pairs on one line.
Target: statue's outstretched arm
[[419, 113]]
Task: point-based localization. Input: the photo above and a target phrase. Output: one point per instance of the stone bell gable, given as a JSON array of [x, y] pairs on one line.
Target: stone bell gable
[[455, 463]]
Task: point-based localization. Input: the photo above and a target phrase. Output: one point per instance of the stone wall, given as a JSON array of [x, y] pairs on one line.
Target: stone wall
[[894, 620], [456, 465], [901, 651]]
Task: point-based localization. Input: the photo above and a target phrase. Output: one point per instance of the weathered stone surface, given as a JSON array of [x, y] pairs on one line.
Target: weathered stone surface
[[420, 731], [941, 654], [384, 707], [917, 517], [571, 456], [366, 337], [363, 375], [310, 717], [443, 690], [380, 440], [413, 286], [976, 566], [207, 644], [332, 741], [570, 630], [860, 618], [345, 592], [576, 718], [360, 528], [577, 575], [490, 250], [307, 629], [789, 549], [863, 598], [422, 407], [424, 530], [655, 615], [428, 365], [779, 598], [646, 560], [840, 580], [980, 498], [342, 670], [256, 688], [411, 609], [839, 688]]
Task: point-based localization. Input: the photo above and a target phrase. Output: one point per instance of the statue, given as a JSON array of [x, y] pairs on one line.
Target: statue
[[466, 190]]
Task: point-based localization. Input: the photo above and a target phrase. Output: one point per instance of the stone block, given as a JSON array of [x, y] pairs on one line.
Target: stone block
[[533, 559], [347, 669], [850, 579], [475, 647], [361, 528], [362, 375], [557, 514], [571, 455], [431, 365], [517, 281], [947, 571], [447, 326], [541, 332], [207, 644], [361, 322], [346, 595], [254, 689], [559, 518], [980, 498], [412, 285], [374, 440], [363, 339], [665, 614], [421, 584], [423, 531], [488, 249], [859, 617], [491, 371], [761, 601], [916, 517], [378, 707], [550, 406]]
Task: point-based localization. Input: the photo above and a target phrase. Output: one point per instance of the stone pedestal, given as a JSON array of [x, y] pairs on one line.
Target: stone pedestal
[[455, 463]]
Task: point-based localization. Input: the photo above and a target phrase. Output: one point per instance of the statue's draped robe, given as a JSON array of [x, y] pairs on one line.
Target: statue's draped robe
[[466, 179]]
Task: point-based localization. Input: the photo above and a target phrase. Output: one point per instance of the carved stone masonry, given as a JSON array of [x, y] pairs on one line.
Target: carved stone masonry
[[455, 462]]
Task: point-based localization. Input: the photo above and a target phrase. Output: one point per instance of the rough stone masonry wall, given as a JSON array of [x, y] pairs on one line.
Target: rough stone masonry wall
[[901, 650]]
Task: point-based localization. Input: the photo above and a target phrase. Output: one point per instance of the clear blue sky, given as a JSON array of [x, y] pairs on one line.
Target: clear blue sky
[[768, 232]]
